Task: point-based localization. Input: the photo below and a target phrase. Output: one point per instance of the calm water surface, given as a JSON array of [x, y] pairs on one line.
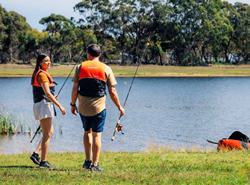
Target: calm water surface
[[176, 112]]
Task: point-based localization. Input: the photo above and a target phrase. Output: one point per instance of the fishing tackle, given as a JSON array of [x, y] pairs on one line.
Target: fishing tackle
[[118, 126]]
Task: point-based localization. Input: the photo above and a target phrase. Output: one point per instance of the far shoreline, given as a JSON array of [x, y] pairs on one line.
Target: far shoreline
[[146, 71]]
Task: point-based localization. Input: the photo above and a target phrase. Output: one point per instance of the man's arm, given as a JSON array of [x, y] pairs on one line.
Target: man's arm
[[114, 97], [74, 95]]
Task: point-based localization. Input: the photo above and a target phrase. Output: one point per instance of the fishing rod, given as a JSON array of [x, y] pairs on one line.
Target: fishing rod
[[118, 126], [37, 130], [212, 142]]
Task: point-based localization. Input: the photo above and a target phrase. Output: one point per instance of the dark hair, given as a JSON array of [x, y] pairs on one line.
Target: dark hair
[[38, 61], [94, 50]]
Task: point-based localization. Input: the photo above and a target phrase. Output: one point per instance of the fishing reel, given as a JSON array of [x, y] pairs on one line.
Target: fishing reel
[[119, 128]]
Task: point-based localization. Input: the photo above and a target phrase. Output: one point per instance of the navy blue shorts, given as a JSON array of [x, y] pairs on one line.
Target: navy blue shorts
[[95, 122]]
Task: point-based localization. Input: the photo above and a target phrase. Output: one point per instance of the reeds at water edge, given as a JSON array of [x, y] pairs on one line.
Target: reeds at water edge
[[9, 125]]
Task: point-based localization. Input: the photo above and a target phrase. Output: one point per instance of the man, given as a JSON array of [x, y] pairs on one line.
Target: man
[[90, 81]]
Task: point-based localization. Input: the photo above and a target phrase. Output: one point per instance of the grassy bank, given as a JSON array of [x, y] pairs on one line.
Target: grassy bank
[[10, 70], [161, 167]]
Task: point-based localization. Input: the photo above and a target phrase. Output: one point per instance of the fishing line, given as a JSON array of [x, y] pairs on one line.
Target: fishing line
[[118, 126]]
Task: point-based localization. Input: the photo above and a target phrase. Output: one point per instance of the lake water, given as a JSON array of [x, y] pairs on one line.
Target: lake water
[[171, 112]]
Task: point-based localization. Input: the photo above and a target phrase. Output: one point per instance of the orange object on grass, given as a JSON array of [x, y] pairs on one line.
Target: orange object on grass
[[231, 144]]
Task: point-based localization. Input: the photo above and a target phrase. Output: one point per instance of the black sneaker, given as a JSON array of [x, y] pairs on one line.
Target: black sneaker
[[87, 164], [96, 168], [35, 158], [46, 164]]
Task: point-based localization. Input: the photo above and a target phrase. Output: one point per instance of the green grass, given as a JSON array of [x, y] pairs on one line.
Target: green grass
[[8, 70], [151, 167]]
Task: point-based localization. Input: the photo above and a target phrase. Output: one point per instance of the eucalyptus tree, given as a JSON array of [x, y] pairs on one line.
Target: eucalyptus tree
[[16, 31], [241, 39], [28, 48], [3, 35], [126, 24], [186, 19], [188, 29], [61, 33], [96, 17], [229, 46], [84, 38], [13, 29], [134, 25], [30, 45], [219, 35], [118, 21], [189, 20], [164, 32]]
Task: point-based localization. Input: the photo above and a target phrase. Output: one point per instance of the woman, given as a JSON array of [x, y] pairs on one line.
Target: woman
[[43, 96]]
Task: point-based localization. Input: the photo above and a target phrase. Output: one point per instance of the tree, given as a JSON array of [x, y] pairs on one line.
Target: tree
[[188, 22], [28, 48], [12, 33], [135, 25], [84, 38], [3, 35], [241, 37], [61, 32], [96, 17], [219, 33]]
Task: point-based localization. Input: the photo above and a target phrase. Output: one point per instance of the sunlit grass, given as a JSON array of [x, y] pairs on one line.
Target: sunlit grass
[[161, 166]]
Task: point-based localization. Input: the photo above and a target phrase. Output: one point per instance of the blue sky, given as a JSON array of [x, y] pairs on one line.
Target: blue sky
[[34, 10]]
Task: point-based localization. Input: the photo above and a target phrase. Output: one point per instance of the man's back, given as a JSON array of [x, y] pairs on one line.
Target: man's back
[[93, 72]]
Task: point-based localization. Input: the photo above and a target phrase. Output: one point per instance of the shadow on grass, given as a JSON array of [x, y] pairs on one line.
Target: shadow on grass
[[32, 167], [17, 167]]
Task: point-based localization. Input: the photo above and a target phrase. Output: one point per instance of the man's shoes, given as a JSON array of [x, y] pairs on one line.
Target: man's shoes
[[35, 158], [45, 164], [96, 168], [87, 164]]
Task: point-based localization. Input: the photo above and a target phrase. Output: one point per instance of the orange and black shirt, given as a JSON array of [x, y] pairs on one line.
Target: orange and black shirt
[[92, 81], [38, 93]]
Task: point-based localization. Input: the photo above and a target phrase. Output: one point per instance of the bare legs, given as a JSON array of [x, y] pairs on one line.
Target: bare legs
[[96, 148], [92, 140], [48, 131], [87, 142], [39, 147]]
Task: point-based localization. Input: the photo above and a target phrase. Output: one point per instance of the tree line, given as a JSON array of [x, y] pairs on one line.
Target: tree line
[[190, 32]]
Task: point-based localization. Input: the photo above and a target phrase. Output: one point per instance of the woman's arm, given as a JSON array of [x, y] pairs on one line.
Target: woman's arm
[[50, 96]]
